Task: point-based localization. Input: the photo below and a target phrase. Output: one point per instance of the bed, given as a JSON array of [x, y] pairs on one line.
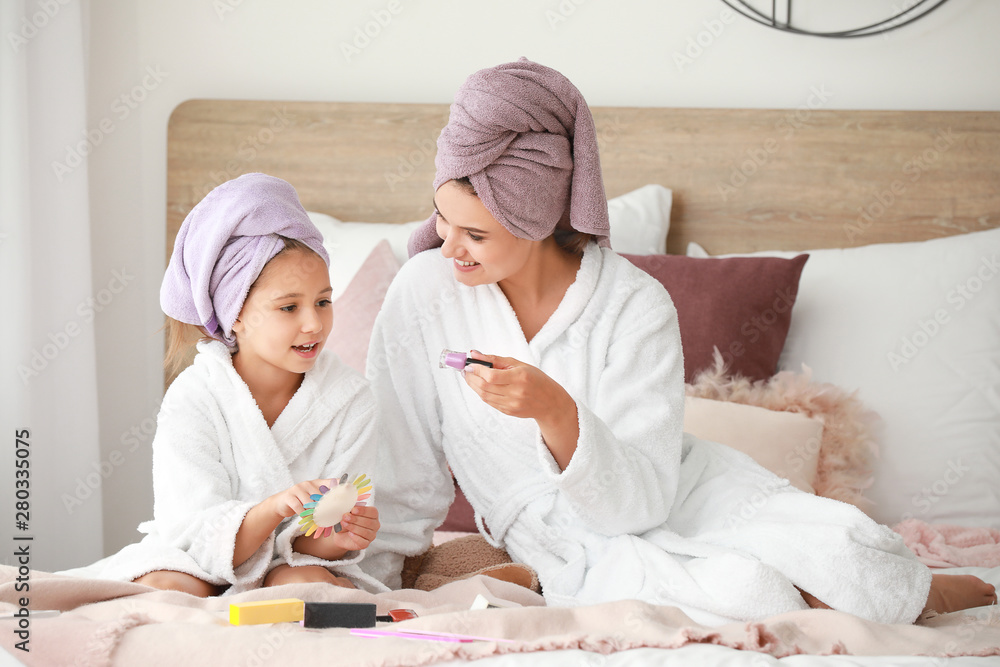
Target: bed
[[872, 370]]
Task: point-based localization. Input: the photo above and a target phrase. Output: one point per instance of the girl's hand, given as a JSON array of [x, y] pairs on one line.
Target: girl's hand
[[292, 500], [265, 516], [521, 390], [357, 528]]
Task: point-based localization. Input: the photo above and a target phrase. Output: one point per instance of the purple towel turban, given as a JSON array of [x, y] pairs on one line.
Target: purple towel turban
[[525, 138], [223, 245]]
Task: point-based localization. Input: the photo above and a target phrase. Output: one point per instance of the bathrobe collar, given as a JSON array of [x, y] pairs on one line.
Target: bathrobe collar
[[308, 412], [570, 309]]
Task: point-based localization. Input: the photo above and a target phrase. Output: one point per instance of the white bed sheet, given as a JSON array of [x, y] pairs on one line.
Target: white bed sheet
[[706, 655]]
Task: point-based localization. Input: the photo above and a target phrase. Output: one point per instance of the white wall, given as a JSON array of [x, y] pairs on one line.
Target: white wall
[[625, 52]]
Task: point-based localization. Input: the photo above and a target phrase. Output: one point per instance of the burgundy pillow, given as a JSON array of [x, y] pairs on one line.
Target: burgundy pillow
[[461, 517], [740, 305]]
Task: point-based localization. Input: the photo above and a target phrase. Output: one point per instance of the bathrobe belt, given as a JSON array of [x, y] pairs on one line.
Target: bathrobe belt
[[499, 518]]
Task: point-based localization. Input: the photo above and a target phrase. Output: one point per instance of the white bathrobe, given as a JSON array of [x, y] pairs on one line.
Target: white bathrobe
[[214, 458], [643, 510]]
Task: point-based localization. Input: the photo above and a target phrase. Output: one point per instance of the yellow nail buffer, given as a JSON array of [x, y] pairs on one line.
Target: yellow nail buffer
[[267, 611]]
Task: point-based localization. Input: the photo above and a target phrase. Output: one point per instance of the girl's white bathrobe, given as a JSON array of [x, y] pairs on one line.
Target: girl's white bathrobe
[[214, 458], [642, 510]]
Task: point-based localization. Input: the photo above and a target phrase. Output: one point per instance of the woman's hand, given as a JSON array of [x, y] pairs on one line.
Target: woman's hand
[[522, 390]]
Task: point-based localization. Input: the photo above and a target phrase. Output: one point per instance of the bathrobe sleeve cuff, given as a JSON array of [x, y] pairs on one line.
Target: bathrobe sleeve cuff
[[287, 535], [214, 545], [344, 567], [577, 466], [582, 466], [592, 480]]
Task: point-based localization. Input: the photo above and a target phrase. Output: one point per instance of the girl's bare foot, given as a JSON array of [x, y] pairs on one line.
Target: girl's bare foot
[[954, 592]]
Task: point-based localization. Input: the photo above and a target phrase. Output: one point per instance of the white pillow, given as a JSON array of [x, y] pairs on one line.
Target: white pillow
[[350, 243], [915, 327], [698, 250], [786, 443], [640, 220]]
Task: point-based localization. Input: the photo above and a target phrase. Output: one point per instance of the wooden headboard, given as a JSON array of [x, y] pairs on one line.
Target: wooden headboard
[[742, 179]]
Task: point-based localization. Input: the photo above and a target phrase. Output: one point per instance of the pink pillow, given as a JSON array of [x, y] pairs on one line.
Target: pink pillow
[[740, 305], [786, 443], [355, 310]]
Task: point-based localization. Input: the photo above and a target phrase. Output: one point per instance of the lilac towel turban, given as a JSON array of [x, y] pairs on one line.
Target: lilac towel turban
[[223, 245], [525, 138]]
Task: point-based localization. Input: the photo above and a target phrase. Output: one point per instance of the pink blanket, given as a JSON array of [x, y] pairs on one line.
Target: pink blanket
[[944, 545], [113, 623]]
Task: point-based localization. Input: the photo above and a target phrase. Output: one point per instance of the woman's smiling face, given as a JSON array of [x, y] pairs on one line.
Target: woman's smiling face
[[481, 249]]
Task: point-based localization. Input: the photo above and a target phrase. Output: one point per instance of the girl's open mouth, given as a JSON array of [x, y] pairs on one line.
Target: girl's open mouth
[[306, 350]]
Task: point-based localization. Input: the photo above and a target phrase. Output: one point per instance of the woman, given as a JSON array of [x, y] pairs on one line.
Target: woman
[[570, 448]]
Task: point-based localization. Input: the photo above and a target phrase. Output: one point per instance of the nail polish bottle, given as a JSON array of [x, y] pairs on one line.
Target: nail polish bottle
[[459, 360]]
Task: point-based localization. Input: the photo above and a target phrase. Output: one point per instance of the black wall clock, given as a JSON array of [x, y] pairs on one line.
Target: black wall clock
[[871, 18]]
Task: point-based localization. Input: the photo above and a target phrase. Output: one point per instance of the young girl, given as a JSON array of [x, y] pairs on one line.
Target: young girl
[[570, 448], [263, 417]]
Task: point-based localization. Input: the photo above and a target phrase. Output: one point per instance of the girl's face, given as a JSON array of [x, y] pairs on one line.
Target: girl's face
[[481, 249], [288, 314]]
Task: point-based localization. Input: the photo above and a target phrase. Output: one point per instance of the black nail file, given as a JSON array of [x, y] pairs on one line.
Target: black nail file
[[339, 615]]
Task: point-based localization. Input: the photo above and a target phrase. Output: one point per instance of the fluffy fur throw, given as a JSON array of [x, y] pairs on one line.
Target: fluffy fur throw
[[847, 448], [461, 558]]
